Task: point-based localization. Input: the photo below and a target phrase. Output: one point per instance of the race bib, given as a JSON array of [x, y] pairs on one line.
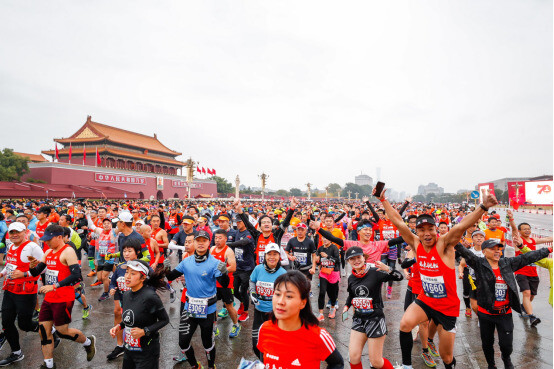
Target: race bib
[[327, 263], [363, 305], [103, 247], [387, 235], [51, 276], [131, 344], [197, 308], [261, 256], [238, 254], [121, 286], [264, 290], [500, 290], [433, 286], [9, 268], [301, 257]]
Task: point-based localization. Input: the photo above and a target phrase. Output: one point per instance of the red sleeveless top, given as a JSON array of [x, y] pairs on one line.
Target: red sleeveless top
[[438, 282], [56, 272], [260, 247], [20, 286], [40, 232], [415, 280], [221, 257]]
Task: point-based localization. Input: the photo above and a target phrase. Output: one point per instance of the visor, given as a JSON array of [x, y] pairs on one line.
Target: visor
[[136, 265]]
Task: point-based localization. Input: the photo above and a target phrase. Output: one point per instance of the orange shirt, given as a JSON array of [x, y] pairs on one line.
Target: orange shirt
[[495, 235]]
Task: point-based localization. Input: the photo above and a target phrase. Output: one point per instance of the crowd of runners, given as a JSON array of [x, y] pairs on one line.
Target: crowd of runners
[[268, 261]]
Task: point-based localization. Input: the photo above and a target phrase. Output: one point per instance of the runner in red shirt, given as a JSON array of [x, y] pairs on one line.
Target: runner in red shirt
[[42, 216], [292, 339], [439, 301], [62, 272], [527, 277]]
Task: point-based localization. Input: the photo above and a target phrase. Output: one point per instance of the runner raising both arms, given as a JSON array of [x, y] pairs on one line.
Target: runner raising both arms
[[439, 301]]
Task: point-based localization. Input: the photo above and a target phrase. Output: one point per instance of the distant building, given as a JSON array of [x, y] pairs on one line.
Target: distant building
[[363, 179], [462, 191], [430, 188], [502, 183], [33, 158]]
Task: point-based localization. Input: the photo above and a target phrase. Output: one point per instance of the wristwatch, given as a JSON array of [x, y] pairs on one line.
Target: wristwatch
[[146, 331], [483, 207]]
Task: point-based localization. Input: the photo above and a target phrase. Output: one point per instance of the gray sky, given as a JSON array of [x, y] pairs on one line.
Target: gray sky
[[452, 92]]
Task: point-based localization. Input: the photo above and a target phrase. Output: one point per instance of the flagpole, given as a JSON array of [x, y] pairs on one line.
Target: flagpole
[[84, 153]]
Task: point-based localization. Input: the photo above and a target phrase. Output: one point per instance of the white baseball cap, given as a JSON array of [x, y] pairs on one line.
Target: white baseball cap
[[272, 247], [125, 216], [17, 226]]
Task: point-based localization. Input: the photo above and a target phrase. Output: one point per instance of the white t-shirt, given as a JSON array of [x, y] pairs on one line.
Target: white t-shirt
[[478, 253]]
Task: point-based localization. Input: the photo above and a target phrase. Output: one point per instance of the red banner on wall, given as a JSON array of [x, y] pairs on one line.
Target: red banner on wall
[[516, 193], [119, 178]]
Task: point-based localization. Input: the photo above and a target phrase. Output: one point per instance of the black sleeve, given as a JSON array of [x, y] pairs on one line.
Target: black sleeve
[[530, 257], [348, 302], [38, 269], [396, 241], [173, 274], [161, 316], [395, 275], [253, 231], [403, 208], [73, 278], [408, 263], [470, 258], [278, 233], [373, 212], [243, 242], [162, 219], [330, 237], [340, 217], [335, 361]]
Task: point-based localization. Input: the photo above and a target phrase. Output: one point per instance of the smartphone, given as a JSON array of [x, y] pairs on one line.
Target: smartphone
[[345, 315], [379, 188]]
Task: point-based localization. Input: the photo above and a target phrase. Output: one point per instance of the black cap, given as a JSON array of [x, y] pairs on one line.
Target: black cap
[[236, 218], [48, 235], [491, 243], [424, 219], [353, 251], [202, 234]]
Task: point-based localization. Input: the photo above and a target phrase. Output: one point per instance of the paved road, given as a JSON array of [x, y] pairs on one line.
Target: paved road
[[541, 223], [533, 346]]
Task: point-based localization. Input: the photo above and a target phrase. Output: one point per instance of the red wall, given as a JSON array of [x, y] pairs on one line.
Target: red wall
[[58, 173]]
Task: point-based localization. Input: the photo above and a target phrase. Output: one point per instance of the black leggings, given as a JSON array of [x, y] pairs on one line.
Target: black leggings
[[467, 288], [332, 290], [187, 327], [240, 286], [20, 307], [505, 326], [409, 298], [342, 259], [259, 319]]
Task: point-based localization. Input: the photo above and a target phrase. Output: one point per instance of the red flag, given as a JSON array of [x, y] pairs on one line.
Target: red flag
[[210, 171], [204, 170], [198, 170], [57, 153], [98, 161], [70, 151], [84, 154], [213, 170]]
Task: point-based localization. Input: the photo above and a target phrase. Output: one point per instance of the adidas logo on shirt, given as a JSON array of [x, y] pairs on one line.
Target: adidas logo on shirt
[[432, 258], [295, 362]]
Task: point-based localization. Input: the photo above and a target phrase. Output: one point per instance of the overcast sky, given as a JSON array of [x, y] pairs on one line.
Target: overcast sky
[[452, 92]]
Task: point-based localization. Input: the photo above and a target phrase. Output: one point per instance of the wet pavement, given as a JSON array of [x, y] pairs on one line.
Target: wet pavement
[[532, 346]]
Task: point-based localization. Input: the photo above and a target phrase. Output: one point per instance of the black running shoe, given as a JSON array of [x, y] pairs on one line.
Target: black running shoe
[[117, 352], [12, 359]]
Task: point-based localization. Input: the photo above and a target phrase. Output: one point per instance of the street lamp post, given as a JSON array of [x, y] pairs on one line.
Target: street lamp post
[[237, 184], [349, 193], [356, 196], [309, 186]]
